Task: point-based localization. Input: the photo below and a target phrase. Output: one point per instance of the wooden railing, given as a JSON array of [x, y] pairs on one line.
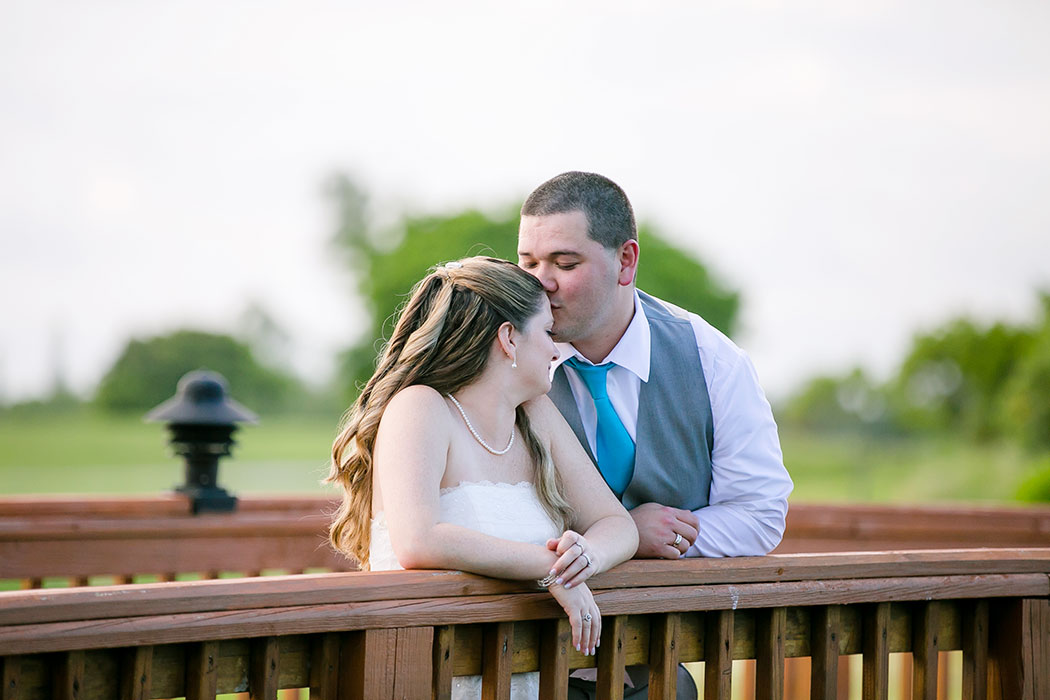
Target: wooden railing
[[405, 634], [109, 540], [125, 539]]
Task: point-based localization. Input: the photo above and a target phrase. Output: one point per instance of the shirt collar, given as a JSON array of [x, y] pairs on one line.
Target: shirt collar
[[632, 352]]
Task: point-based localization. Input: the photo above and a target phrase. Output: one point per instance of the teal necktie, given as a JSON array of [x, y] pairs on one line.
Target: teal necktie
[[615, 447]]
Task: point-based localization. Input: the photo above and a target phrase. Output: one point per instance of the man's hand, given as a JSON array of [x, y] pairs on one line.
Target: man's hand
[[659, 527]]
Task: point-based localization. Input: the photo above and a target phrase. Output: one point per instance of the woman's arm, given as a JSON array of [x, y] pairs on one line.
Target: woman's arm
[[410, 456], [609, 535]]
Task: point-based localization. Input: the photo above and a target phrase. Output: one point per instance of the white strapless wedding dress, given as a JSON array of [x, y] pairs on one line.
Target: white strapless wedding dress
[[508, 511]]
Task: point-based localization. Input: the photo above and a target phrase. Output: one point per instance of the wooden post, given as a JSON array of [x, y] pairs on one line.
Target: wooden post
[[1037, 650], [1019, 650], [769, 653], [11, 677], [264, 668], [663, 655], [441, 666], [497, 656], [925, 650], [413, 661], [366, 665], [975, 651], [718, 655], [611, 657], [136, 673], [555, 640], [69, 681], [202, 670], [824, 649], [876, 678], [324, 667]]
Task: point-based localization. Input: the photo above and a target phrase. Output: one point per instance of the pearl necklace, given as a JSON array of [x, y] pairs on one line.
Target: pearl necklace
[[477, 437]]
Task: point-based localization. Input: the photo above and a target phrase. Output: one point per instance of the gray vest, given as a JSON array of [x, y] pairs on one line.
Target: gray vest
[[675, 434]]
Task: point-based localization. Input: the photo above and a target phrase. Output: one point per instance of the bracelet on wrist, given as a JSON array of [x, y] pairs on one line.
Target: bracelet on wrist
[[547, 581]]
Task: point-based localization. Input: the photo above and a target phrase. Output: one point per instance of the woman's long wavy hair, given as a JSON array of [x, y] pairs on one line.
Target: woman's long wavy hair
[[442, 340]]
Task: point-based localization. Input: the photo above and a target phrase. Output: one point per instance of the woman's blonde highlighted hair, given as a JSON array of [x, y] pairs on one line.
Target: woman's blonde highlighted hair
[[442, 339]]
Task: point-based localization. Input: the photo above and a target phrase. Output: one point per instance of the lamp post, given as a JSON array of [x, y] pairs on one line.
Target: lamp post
[[202, 419]]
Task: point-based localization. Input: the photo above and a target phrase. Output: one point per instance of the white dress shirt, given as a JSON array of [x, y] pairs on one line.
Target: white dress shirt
[[749, 484]]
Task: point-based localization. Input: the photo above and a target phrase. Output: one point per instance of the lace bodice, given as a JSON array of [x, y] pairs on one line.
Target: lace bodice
[[508, 511]]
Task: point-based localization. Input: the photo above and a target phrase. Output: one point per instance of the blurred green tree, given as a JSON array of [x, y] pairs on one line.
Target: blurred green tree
[[148, 371], [1025, 406], [386, 263], [953, 378], [852, 403]]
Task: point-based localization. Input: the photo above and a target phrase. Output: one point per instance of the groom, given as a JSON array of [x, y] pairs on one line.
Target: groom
[[667, 407]]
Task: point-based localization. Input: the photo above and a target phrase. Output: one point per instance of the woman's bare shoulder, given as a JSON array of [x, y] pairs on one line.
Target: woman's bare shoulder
[[417, 403], [543, 415]]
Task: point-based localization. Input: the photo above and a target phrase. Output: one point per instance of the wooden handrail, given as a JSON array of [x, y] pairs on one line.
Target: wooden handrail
[[124, 537], [421, 627]]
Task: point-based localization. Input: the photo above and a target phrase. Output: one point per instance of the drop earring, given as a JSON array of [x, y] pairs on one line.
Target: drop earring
[[513, 363]]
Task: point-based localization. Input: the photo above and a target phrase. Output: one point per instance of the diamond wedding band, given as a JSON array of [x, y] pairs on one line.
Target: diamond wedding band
[[677, 539], [587, 617]]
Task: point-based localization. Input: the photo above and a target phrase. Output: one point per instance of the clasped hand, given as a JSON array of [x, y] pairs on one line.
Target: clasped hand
[[576, 562]]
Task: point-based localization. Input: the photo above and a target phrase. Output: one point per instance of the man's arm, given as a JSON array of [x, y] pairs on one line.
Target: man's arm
[[749, 484]]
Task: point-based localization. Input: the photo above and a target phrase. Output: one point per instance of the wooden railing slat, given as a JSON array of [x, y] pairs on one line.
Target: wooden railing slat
[[824, 648], [769, 652], [875, 682], [1038, 630], [718, 655], [265, 669], [69, 681], [324, 667], [366, 665], [925, 651], [136, 673], [555, 642], [663, 656], [444, 643], [11, 675], [202, 670], [413, 677], [497, 660], [611, 657], [975, 651]]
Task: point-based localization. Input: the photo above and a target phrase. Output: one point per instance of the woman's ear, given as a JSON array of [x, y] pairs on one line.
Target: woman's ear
[[505, 336]]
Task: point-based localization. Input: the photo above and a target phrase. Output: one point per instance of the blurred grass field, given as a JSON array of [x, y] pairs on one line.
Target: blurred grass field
[[92, 453]]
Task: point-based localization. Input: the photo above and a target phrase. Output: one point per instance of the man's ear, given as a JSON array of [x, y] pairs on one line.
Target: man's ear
[[628, 259], [505, 338]]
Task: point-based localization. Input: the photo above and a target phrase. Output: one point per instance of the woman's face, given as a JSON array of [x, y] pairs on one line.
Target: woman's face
[[536, 350]]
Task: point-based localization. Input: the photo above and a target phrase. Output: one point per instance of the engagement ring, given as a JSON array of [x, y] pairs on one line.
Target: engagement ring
[[587, 617]]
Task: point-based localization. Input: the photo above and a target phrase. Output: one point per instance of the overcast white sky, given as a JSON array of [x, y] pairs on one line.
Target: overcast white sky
[[859, 170]]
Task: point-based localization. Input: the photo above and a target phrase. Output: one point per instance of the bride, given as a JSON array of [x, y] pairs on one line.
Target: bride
[[452, 457]]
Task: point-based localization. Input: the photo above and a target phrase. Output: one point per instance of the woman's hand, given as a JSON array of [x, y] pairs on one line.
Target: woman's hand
[[577, 560], [584, 616]]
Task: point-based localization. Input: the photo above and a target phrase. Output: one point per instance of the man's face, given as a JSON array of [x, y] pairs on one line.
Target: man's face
[[579, 274]]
